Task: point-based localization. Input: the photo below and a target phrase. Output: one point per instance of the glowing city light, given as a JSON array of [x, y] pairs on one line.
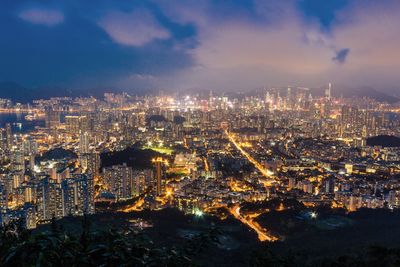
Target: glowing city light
[[198, 213]]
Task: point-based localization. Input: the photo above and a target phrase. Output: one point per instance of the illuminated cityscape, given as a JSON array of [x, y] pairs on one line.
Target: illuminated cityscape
[[207, 152], [200, 133]]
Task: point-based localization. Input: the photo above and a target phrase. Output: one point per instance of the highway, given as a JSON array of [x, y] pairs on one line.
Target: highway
[[259, 167], [135, 207], [261, 232]]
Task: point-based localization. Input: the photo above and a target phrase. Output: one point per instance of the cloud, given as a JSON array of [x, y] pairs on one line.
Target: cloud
[[278, 45], [227, 45], [370, 30], [341, 55], [45, 17], [133, 29], [248, 51]]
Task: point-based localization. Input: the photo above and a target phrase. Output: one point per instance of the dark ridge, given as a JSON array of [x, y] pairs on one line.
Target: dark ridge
[[156, 118], [179, 120], [58, 154], [384, 141], [365, 92], [132, 156]]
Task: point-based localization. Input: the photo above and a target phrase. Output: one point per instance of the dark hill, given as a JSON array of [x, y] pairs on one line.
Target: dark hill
[[132, 156], [156, 118], [384, 141], [366, 91], [58, 154]]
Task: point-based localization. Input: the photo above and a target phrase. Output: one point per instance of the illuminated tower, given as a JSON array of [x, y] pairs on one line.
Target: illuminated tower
[[328, 92], [159, 162], [289, 98]]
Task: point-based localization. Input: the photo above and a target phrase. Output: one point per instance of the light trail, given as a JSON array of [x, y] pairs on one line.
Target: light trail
[[265, 172], [261, 232]]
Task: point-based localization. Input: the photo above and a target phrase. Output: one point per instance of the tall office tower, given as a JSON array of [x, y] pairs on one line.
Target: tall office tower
[[211, 101], [328, 92], [52, 118], [119, 180], [289, 98], [278, 101], [78, 195], [84, 142], [159, 181], [9, 136]]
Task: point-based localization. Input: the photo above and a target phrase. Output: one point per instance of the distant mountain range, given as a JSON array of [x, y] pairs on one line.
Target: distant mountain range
[[18, 93], [365, 91]]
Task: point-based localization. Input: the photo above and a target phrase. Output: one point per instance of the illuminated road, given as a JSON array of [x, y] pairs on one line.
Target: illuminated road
[[265, 172], [262, 233], [135, 207], [206, 166]]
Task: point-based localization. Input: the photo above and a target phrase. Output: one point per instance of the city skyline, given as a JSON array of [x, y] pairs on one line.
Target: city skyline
[[200, 133], [280, 167], [217, 45]]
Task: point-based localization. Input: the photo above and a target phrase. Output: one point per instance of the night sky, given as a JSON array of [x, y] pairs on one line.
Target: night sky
[[219, 45]]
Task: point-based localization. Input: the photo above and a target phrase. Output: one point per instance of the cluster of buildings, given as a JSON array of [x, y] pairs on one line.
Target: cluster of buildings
[[210, 151]]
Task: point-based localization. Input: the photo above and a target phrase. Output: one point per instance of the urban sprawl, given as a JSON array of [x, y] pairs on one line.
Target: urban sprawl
[[198, 153]]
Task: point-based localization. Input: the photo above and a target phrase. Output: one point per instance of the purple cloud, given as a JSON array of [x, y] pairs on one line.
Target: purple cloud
[[42, 16], [133, 29]]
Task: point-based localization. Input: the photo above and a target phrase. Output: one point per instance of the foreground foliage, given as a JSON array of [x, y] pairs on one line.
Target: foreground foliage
[[20, 247], [57, 247], [374, 256]]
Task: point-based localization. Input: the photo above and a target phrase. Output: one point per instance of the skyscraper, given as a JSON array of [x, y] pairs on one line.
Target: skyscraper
[[328, 92], [159, 162]]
